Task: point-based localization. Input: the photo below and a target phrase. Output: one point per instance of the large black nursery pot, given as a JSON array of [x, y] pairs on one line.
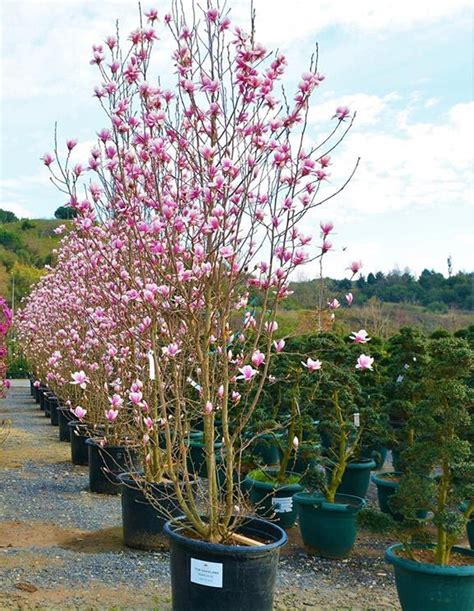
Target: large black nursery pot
[[273, 501], [145, 512], [430, 587], [356, 478], [106, 463], [64, 417], [211, 577], [387, 484], [37, 394], [53, 404], [42, 397], [328, 529], [32, 387], [79, 435], [47, 403]]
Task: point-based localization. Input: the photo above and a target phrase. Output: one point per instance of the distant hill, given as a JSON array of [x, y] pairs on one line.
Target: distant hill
[[25, 248]]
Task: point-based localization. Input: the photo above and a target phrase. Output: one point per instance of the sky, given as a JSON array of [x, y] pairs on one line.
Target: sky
[[405, 67]]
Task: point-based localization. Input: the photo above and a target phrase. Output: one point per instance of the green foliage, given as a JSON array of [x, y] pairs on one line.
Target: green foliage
[[27, 224], [10, 240], [440, 460], [7, 217], [65, 213]]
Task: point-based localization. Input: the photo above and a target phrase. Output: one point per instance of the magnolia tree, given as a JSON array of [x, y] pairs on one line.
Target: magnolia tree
[[190, 215], [5, 323]]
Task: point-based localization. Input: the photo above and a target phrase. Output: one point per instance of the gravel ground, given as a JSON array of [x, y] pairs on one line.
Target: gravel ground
[[60, 545]]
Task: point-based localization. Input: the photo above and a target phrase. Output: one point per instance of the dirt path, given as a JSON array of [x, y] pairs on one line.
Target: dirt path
[[61, 546]]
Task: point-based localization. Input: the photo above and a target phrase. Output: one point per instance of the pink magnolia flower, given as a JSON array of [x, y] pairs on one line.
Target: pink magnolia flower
[[334, 304], [111, 415], [361, 337], [364, 362], [258, 358], [59, 230], [148, 422], [247, 373], [312, 365], [116, 401], [47, 159], [79, 412], [326, 228], [171, 350], [271, 327], [136, 397], [80, 378], [279, 345], [342, 112], [355, 266], [349, 298], [71, 144], [208, 408]]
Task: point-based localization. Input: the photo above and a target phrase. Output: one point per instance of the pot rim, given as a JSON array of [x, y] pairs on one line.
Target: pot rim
[[317, 500], [386, 483], [296, 487], [171, 526], [430, 569]]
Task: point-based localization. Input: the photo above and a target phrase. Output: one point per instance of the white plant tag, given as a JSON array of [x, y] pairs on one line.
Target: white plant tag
[[206, 573], [282, 504], [151, 363], [357, 419], [194, 384]]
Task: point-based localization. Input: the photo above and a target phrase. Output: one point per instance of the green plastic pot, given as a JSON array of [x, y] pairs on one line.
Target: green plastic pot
[[431, 587], [328, 529], [197, 456], [266, 450], [273, 501], [377, 453], [385, 489], [356, 478], [469, 525]]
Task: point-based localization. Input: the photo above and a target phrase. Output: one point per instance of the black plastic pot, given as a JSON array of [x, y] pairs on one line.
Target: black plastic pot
[[431, 587], [37, 394], [53, 410], [106, 463], [32, 387], [142, 520], [42, 396], [79, 436], [328, 529], [211, 577], [64, 417]]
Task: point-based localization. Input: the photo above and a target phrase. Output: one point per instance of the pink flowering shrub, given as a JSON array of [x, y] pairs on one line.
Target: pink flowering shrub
[[5, 323], [191, 211]]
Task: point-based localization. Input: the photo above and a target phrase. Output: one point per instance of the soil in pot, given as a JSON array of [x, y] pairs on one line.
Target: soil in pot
[[272, 500], [142, 519], [211, 577], [328, 529], [79, 436], [424, 585], [106, 463]]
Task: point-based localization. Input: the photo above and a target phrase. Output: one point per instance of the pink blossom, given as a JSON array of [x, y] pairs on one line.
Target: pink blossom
[[342, 112], [326, 228], [79, 412], [148, 422], [271, 327], [136, 397], [349, 298], [59, 230], [361, 337], [312, 365], [208, 408], [47, 159], [355, 266], [111, 415], [334, 304], [258, 358], [71, 144], [80, 378], [116, 401], [171, 350], [364, 362], [279, 345], [247, 372]]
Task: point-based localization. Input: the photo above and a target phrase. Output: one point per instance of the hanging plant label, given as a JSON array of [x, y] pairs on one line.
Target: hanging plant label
[[206, 573], [282, 504]]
